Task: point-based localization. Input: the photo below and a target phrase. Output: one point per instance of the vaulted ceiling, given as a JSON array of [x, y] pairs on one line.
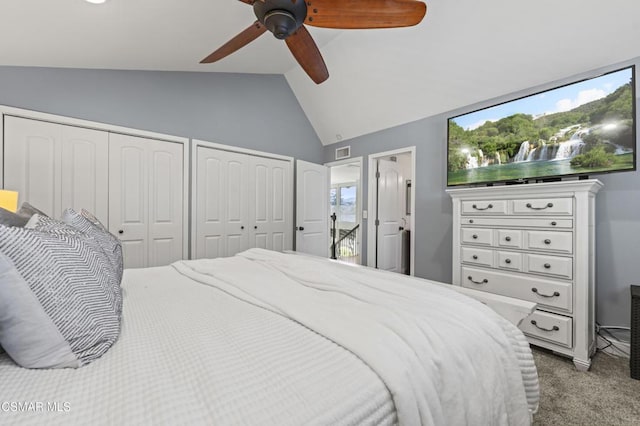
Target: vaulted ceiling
[[463, 52]]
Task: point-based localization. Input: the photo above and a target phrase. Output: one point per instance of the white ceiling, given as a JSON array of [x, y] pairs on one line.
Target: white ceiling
[[463, 52]]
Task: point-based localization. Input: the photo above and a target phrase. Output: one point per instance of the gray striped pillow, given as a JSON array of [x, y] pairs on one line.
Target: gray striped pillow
[[77, 290]]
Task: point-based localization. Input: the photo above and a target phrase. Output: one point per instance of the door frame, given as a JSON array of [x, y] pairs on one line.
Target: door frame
[[372, 198], [359, 209], [195, 143]]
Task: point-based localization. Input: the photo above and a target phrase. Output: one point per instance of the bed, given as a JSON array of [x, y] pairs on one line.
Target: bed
[[284, 339]]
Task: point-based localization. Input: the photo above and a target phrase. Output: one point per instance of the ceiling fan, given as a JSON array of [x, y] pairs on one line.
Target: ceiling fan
[[286, 19]]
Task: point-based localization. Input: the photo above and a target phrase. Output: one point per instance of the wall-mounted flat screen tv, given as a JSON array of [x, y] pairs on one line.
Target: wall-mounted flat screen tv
[[583, 128]]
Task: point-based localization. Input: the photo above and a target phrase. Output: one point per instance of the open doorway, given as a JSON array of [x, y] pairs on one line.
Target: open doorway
[[391, 207], [345, 204]]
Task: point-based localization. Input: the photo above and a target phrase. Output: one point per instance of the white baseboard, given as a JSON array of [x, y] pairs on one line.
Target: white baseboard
[[618, 348]]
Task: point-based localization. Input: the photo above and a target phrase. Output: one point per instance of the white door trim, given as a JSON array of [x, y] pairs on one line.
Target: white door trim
[[371, 204], [360, 162], [195, 143]]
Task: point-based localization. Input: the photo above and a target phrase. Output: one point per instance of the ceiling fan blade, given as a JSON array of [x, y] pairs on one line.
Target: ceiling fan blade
[[362, 14], [241, 40], [307, 54]]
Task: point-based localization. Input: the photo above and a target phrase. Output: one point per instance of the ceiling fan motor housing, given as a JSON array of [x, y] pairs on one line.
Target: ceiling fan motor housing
[[281, 17]]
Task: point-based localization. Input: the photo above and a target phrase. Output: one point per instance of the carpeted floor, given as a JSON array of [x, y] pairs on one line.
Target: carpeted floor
[[605, 395]]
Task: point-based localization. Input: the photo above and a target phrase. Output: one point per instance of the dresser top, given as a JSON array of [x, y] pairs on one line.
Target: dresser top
[[528, 189]]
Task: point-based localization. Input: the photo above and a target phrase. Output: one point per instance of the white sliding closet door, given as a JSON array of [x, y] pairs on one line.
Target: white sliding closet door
[[269, 195], [146, 199], [55, 166]]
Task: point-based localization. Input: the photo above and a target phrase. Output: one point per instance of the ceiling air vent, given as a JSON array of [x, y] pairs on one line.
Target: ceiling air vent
[[342, 153]]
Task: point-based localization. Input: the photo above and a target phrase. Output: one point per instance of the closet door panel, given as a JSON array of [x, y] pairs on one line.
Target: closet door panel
[[85, 173], [165, 201], [259, 203], [210, 203], [280, 200], [32, 161], [236, 232], [128, 197]]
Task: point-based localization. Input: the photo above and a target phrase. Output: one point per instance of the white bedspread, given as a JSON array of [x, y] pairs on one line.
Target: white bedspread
[[190, 354], [447, 359]]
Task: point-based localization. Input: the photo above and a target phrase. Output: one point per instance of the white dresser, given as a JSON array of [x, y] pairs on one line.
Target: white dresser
[[534, 242]]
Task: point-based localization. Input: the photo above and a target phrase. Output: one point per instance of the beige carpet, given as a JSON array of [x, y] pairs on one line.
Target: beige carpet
[[605, 395]]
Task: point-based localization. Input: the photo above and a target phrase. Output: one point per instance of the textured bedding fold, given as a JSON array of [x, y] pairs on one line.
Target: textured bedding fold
[[443, 356]]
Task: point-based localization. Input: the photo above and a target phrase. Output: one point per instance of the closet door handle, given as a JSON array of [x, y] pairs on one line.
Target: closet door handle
[[484, 281], [300, 228], [554, 328]]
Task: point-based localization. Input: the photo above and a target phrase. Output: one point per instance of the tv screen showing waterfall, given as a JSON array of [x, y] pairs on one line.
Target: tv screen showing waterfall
[[583, 128]]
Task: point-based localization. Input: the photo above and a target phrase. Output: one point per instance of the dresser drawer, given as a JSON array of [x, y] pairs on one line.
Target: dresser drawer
[[511, 238], [477, 256], [518, 222], [543, 206], [510, 260], [560, 242], [477, 236], [545, 292], [484, 207], [550, 265], [547, 326]]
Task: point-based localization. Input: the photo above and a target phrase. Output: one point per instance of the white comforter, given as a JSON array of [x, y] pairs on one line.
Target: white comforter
[[446, 359]]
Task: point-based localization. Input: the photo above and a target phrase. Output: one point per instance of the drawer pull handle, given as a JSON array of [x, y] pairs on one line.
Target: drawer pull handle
[[554, 328], [547, 241], [474, 236], [475, 257], [555, 293], [484, 281], [554, 223], [470, 220], [507, 261], [490, 206], [547, 266], [507, 238], [549, 205]]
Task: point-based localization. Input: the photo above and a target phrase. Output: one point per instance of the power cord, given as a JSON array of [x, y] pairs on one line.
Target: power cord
[[600, 329]]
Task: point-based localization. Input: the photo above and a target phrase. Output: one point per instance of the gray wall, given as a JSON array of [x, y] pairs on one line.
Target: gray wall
[[250, 111], [617, 205]]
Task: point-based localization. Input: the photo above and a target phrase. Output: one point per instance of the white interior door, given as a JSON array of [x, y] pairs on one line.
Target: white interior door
[[165, 202], [269, 199], [236, 233], [312, 208], [221, 203], [32, 161], [210, 193], [146, 199], [85, 173], [128, 197], [389, 214]]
